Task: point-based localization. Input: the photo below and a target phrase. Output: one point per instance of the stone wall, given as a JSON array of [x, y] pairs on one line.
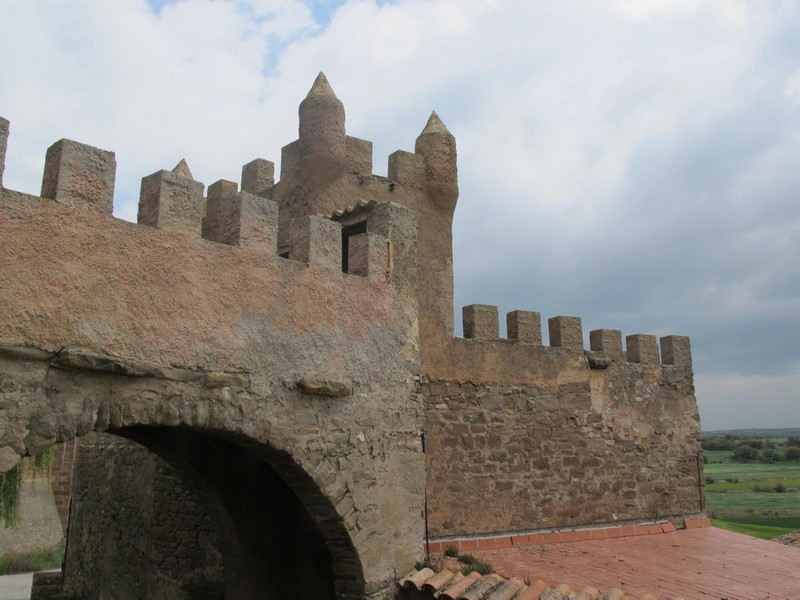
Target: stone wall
[[38, 527], [137, 530], [61, 477], [144, 524], [559, 443], [119, 490], [301, 340], [44, 506], [193, 319]]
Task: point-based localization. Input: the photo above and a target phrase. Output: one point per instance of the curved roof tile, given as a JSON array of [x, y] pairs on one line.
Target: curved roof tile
[[453, 585]]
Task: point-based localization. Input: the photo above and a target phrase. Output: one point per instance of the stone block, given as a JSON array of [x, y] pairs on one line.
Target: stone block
[[406, 168], [676, 351], [4, 125], [258, 221], [368, 255], [524, 326], [75, 173], [290, 158], [393, 221], [169, 199], [607, 342], [565, 332], [316, 240], [398, 225], [239, 218], [359, 155], [221, 223], [481, 322], [642, 348], [258, 177]]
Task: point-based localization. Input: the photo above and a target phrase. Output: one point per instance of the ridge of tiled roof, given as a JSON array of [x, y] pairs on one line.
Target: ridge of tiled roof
[[451, 584]]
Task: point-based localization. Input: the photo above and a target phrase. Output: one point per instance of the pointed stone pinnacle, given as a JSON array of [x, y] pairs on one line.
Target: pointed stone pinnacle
[[182, 169], [435, 125], [321, 87]]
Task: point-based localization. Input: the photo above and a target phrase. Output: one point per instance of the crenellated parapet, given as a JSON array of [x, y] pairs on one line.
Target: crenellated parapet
[[80, 177], [258, 177], [480, 322], [239, 218], [522, 436]]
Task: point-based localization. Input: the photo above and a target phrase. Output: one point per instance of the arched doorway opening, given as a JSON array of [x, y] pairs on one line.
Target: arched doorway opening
[[174, 512]]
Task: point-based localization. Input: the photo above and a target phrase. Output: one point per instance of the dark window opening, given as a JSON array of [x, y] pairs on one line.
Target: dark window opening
[[347, 232]]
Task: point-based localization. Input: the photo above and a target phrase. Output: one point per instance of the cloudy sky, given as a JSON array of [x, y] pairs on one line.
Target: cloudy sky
[[632, 162]]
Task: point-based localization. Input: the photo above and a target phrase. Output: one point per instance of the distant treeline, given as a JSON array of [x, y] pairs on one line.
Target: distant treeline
[[753, 448], [755, 433]]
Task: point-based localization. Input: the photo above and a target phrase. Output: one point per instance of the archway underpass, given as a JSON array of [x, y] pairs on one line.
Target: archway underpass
[[170, 512]]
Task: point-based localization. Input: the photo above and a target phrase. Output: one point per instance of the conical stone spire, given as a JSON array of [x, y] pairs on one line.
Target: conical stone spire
[[182, 169], [435, 125], [321, 87], [438, 147], [322, 120]]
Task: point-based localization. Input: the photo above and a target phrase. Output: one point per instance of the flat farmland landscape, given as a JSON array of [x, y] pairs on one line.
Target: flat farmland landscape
[[753, 486]]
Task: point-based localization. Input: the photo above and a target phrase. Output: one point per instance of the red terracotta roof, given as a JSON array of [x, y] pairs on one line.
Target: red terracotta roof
[[450, 584], [701, 563]]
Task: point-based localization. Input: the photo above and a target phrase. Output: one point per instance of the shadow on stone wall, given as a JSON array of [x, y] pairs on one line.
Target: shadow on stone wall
[[196, 517]]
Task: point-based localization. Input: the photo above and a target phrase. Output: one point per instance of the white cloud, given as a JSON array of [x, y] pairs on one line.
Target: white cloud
[[733, 11], [154, 88], [792, 89], [729, 401]]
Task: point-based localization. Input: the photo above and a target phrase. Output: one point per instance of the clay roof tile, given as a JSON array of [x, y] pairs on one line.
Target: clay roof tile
[[455, 591], [507, 590], [534, 591], [482, 588], [437, 582], [449, 584], [417, 580]]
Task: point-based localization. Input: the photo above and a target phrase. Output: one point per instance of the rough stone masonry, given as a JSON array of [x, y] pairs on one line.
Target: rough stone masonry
[[282, 360]]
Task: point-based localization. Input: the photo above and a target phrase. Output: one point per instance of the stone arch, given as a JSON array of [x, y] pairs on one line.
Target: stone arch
[[165, 413], [270, 544]]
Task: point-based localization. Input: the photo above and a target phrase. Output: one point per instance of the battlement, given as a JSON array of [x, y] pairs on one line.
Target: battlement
[[82, 177], [323, 172], [480, 322]]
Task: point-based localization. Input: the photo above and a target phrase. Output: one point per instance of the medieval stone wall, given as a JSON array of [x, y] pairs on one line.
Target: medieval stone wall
[[524, 437], [309, 324], [193, 319], [137, 530]]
